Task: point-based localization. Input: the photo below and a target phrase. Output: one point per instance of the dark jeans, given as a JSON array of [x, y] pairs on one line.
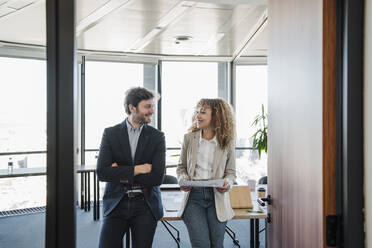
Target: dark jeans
[[200, 217], [130, 213]]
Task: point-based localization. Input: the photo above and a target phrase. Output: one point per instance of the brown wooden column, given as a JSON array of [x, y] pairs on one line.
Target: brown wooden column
[[329, 110]]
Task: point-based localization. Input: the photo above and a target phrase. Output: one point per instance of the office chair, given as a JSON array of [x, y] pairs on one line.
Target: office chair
[[168, 179], [263, 180]]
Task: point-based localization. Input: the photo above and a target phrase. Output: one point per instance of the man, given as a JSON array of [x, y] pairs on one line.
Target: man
[[132, 162]]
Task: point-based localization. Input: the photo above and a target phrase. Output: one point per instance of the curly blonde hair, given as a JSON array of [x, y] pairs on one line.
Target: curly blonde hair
[[223, 120]]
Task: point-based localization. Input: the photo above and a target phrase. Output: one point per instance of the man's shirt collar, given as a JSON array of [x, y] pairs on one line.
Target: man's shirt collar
[[131, 129]]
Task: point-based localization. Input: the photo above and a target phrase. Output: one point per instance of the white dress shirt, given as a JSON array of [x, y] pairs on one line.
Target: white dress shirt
[[205, 159], [133, 136], [204, 162]]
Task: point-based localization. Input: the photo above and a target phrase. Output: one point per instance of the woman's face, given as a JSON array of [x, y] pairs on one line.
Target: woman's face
[[203, 117]]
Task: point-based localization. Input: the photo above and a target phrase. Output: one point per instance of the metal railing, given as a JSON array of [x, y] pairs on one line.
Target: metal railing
[[94, 150], [21, 153]]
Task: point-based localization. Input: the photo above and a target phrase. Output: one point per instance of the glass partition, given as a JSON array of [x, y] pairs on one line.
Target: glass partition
[[251, 93]]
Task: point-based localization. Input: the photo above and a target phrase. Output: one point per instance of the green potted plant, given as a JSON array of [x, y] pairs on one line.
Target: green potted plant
[[260, 136]]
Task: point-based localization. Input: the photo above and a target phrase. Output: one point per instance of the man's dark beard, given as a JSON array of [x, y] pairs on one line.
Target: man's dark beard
[[139, 119]]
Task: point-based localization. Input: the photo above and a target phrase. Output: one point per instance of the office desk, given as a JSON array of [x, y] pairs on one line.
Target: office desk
[[239, 214]]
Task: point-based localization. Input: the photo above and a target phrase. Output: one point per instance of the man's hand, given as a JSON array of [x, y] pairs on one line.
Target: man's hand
[[185, 188], [223, 189], [114, 165], [142, 169]]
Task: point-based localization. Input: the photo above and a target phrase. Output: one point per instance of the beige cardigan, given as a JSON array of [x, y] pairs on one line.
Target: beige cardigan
[[224, 167]]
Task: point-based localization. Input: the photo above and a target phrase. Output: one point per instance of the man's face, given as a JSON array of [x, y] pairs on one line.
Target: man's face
[[143, 112]]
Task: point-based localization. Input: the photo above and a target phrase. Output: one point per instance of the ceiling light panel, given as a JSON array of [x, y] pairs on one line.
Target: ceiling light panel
[[19, 4], [100, 13], [27, 25], [237, 35], [234, 2], [4, 10], [87, 7], [238, 14], [203, 24], [171, 17], [124, 28], [199, 23], [174, 14]]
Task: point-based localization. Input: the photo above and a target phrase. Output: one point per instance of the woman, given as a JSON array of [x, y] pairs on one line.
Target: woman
[[208, 152]]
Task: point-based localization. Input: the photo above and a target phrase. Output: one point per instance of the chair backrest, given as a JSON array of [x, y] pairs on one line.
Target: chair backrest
[[263, 180], [168, 179]]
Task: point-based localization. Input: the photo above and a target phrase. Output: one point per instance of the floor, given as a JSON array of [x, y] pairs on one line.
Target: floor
[[28, 231]]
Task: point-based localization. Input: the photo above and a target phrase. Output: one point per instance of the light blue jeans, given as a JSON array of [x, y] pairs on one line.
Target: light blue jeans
[[205, 230]]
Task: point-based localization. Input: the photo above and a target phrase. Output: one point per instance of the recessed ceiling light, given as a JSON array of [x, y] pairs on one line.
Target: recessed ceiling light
[[171, 17], [183, 38]]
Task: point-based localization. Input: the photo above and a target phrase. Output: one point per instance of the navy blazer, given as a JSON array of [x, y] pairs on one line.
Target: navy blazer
[[115, 148]]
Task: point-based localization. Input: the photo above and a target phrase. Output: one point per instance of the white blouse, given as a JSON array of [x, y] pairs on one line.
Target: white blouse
[[205, 159]]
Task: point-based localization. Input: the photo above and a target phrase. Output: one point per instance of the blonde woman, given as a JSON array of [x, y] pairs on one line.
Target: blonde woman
[[208, 152]]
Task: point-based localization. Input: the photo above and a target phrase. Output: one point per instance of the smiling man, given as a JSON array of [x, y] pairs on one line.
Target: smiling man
[[132, 162]]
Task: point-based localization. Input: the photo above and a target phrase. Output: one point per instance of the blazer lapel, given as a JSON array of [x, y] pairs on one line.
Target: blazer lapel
[[142, 142], [218, 154], [194, 152], [124, 140]]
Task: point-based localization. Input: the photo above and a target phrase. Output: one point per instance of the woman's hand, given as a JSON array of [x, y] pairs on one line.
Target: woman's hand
[[223, 189], [185, 188]]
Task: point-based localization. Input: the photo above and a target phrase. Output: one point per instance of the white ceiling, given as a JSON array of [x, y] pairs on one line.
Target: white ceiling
[[222, 28]]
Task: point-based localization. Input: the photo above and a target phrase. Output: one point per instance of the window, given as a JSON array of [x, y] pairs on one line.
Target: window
[[105, 87], [251, 92], [22, 129], [23, 108], [183, 85]]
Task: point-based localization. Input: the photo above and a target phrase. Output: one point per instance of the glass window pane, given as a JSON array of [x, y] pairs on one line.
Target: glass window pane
[[251, 93], [22, 192], [24, 160], [248, 166], [106, 84], [91, 157], [23, 121], [183, 85], [22, 129], [23, 105]]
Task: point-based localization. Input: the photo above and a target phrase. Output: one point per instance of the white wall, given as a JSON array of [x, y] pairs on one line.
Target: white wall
[[368, 121]]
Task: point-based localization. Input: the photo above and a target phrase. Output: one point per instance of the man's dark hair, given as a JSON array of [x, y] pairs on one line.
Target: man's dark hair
[[134, 96]]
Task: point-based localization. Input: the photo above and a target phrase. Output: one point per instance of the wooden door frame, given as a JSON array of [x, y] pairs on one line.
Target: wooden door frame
[[331, 53]]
